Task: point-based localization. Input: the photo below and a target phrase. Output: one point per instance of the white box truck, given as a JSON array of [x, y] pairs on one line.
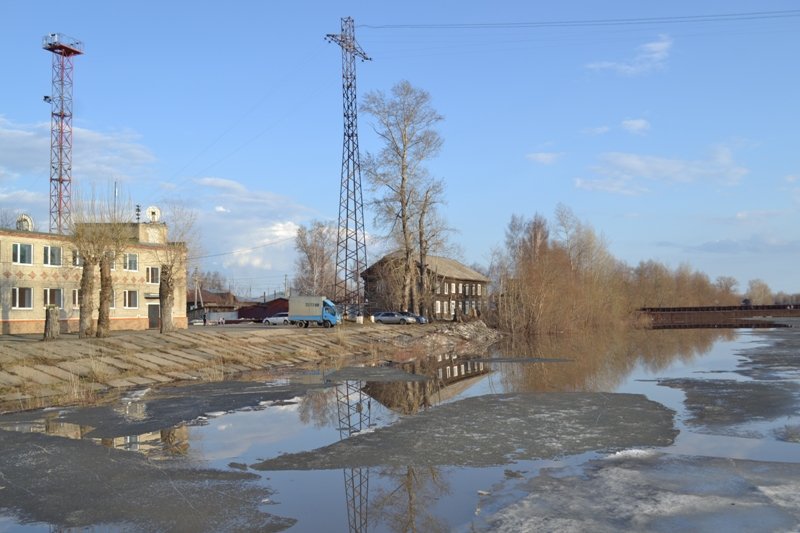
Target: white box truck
[[305, 310]]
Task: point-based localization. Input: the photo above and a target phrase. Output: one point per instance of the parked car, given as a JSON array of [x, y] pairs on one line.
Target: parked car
[[419, 318], [277, 319], [391, 317]]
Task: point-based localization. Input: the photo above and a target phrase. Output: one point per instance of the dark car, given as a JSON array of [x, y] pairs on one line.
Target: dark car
[[391, 317]]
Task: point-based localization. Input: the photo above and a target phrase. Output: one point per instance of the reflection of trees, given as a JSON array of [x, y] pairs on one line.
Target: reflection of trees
[[176, 440], [600, 361], [319, 406], [406, 504]]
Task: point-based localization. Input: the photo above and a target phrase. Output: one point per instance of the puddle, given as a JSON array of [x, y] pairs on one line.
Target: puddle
[[454, 442]]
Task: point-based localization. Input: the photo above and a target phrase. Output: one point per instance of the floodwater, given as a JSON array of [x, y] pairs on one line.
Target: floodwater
[[508, 440]]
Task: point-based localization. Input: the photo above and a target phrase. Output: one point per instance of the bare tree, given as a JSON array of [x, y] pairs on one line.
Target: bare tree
[[99, 230], [758, 292], [177, 235], [316, 249], [405, 123], [116, 223], [8, 220]]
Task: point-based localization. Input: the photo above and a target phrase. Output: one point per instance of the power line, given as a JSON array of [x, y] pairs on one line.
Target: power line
[[682, 19], [242, 249]]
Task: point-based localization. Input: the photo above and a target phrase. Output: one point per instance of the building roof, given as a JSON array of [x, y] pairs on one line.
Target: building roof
[[450, 268], [216, 298], [440, 266]]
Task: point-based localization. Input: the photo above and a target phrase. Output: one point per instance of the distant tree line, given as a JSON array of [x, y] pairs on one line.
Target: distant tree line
[[560, 276]]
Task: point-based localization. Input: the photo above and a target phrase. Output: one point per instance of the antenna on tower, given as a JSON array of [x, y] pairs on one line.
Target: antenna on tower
[[64, 49], [351, 248]]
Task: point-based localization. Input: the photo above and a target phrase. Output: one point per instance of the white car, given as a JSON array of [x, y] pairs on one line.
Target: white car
[[277, 319]]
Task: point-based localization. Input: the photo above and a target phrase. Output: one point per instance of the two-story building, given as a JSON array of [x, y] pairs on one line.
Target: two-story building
[[454, 287], [41, 269]]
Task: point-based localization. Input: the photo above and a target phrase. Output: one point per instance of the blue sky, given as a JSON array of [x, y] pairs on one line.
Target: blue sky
[[677, 141]]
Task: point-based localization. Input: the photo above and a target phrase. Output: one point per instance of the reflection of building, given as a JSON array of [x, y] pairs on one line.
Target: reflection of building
[[449, 375], [454, 288], [153, 444], [41, 269]]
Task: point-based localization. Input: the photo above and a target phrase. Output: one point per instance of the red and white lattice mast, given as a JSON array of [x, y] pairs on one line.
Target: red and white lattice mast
[[64, 49]]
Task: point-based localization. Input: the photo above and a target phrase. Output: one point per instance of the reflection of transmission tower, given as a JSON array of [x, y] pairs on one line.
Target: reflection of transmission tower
[[63, 49], [354, 409], [351, 247]]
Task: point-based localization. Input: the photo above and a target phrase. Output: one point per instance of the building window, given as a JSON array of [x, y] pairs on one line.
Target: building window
[[453, 287], [447, 369], [445, 309], [130, 299], [452, 307], [153, 275], [53, 297], [76, 298], [439, 373], [21, 298], [460, 288], [479, 289], [77, 260], [438, 288], [52, 256], [446, 288], [131, 262], [113, 259], [438, 307], [113, 299], [22, 254]]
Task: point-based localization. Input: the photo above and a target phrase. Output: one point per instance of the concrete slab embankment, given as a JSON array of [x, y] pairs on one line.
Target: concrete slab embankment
[[34, 373]]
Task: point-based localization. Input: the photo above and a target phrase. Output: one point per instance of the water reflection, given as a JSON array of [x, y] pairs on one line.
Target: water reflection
[[405, 502], [411, 497], [160, 444], [600, 361], [449, 374]]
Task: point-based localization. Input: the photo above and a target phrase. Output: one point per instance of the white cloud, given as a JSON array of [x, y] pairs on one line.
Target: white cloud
[[755, 244], [221, 209], [792, 178], [98, 158], [756, 216], [225, 185], [599, 130], [623, 172], [649, 56], [545, 158], [637, 126], [612, 185]]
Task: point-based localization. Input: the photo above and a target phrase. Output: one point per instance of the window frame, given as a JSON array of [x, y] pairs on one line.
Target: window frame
[[49, 292], [126, 262], [149, 276], [15, 291], [16, 249], [47, 256], [126, 299]]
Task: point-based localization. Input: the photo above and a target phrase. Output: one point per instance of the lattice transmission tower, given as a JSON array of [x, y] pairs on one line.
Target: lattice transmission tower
[[64, 49], [351, 247], [354, 408]]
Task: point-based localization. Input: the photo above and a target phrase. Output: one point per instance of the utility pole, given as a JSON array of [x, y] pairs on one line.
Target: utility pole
[[351, 247]]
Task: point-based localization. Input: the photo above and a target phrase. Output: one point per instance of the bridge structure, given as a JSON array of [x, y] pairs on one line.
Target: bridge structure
[[731, 316]]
